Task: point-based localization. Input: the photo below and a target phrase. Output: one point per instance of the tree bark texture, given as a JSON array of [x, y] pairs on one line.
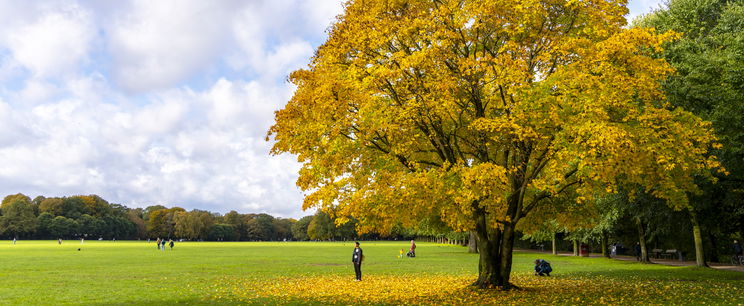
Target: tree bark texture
[[473, 243], [575, 248], [642, 241], [697, 235], [555, 250], [495, 248], [603, 242]]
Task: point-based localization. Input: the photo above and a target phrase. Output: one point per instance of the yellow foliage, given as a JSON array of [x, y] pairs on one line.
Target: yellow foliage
[[416, 289], [460, 109]]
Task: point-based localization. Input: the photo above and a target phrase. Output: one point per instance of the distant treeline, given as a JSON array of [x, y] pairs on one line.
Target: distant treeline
[[92, 217]]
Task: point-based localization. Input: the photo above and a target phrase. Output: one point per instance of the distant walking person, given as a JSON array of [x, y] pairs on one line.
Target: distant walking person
[[157, 243], [737, 248], [14, 240], [59, 241], [171, 244], [356, 259], [163, 244]]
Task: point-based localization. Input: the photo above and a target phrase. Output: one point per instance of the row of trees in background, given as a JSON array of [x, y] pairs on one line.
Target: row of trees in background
[[90, 216], [67, 217], [709, 62], [622, 219]]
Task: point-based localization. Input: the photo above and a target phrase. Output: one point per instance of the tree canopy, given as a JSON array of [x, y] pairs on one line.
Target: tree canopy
[[479, 111]]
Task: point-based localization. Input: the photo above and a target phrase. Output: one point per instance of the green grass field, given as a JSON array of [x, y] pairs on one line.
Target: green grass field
[[134, 272]]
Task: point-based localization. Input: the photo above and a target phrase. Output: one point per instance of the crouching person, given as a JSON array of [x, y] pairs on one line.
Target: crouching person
[[542, 267]]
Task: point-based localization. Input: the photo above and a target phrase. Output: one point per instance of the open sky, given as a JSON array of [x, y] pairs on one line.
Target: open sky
[[156, 102]]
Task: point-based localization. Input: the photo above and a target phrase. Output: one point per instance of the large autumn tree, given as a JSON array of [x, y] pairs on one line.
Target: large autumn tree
[[477, 112]]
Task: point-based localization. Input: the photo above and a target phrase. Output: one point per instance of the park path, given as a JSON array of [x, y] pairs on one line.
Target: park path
[[668, 262]]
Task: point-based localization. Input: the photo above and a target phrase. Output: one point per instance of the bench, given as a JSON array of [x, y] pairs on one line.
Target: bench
[[669, 254], [656, 253]]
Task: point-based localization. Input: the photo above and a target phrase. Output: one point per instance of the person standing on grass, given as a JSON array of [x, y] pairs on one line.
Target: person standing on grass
[[356, 258], [412, 251], [14, 240], [171, 244], [157, 243]]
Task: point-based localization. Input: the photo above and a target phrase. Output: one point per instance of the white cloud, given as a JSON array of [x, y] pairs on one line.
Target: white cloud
[[12, 130], [53, 43], [160, 43], [37, 91], [640, 7], [273, 36], [192, 149], [321, 14]]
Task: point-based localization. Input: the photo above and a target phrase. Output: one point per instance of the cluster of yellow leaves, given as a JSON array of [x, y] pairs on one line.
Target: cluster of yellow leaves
[[455, 290]]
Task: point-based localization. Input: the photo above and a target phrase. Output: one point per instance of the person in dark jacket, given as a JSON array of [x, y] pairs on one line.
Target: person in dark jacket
[[356, 258], [737, 248], [542, 267]]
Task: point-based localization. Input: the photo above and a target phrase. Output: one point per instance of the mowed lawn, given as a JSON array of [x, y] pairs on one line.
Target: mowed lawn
[[135, 272]]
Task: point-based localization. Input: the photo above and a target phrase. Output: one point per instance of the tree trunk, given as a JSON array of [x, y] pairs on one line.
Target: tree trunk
[[495, 249], [604, 245], [473, 243], [555, 250], [699, 255], [642, 242], [575, 248], [507, 246]]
